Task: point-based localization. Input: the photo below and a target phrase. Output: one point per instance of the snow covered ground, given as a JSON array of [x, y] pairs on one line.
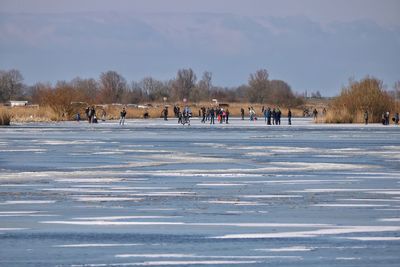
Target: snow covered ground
[[155, 193]]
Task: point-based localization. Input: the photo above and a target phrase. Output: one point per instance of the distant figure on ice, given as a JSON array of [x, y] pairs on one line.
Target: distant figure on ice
[[278, 116], [91, 114], [227, 116], [289, 116], [212, 116], [265, 115], [103, 115], [386, 118], [269, 115], [204, 114], [242, 113], [176, 111], [186, 115], [252, 114], [273, 113], [122, 117], [396, 118], [315, 113], [165, 113], [87, 112], [78, 117], [179, 117], [366, 117]]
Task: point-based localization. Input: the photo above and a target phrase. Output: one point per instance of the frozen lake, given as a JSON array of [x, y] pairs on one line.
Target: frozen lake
[[155, 193]]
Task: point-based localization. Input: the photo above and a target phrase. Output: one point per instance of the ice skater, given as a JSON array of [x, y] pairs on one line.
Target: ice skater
[[122, 117]]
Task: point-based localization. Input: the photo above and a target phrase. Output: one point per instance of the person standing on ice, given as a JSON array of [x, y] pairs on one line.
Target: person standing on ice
[[122, 117], [278, 116], [386, 118], [252, 114], [269, 115], [289, 115], [265, 115], [165, 113], [212, 115], [92, 114], [88, 113], [242, 113], [315, 114], [396, 118], [204, 114], [273, 116], [366, 117], [227, 116], [103, 115]]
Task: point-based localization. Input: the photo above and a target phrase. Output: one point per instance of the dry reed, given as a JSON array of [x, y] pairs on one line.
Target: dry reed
[[5, 116]]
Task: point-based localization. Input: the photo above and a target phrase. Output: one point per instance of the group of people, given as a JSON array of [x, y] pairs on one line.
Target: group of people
[[274, 116], [385, 118], [271, 116], [185, 115], [90, 114], [209, 114]]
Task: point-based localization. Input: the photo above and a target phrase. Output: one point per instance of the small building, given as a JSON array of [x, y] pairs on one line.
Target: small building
[[15, 103]]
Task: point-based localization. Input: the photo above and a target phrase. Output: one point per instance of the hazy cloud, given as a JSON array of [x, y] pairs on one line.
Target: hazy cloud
[[314, 45]]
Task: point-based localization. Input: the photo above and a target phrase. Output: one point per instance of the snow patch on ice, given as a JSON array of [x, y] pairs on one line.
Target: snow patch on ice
[[314, 233], [350, 205], [95, 245], [374, 238], [12, 202], [287, 249]]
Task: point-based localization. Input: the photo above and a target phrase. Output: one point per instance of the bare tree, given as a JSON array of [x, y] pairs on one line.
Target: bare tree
[[10, 85], [38, 91], [112, 87], [87, 89], [281, 93], [397, 91], [153, 89], [259, 87], [134, 94], [203, 89], [184, 83]]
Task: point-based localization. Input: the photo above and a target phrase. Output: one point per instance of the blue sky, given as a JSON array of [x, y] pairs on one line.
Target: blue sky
[[311, 44]]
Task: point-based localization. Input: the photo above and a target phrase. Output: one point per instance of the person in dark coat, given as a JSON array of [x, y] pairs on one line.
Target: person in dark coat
[[88, 114], [289, 115], [212, 115], [278, 116], [269, 114], [396, 118], [165, 113], [122, 117], [204, 114], [227, 116], [273, 116]]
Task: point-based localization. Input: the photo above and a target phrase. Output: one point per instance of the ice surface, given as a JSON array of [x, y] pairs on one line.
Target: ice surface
[[156, 193]]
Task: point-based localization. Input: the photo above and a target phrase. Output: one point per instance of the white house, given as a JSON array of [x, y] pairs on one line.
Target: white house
[[14, 103]]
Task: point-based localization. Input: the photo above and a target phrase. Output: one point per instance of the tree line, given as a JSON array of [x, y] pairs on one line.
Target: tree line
[[112, 87]]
